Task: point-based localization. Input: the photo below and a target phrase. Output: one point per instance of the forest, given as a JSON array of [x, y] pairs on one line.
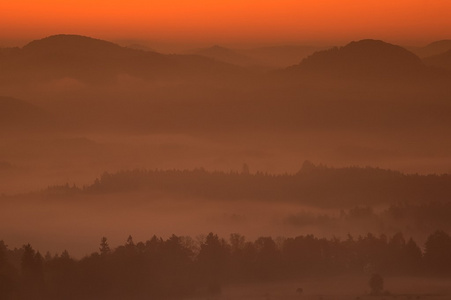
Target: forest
[[357, 200], [181, 266], [345, 186]]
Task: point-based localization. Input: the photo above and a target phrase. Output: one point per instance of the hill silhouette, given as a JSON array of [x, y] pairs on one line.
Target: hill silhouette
[[71, 44], [434, 48], [212, 96], [95, 60], [368, 58]]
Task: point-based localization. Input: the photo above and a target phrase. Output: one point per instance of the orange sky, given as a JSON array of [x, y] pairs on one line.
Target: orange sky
[[229, 21]]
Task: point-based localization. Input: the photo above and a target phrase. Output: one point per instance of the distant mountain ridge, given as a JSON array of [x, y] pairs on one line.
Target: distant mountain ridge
[[70, 43], [434, 48], [94, 60], [363, 58]]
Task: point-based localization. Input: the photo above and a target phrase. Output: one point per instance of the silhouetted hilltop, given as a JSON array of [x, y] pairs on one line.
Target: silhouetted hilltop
[[372, 58], [434, 48], [17, 114], [440, 61], [93, 60], [79, 57], [71, 44], [345, 186]]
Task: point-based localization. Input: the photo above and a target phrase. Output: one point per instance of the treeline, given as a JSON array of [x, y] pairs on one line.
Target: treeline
[[314, 185], [181, 266], [417, 219]]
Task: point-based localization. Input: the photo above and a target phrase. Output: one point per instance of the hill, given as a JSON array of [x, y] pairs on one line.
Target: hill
[[367, 58], [92, 60], [72, 44], [434, 48]]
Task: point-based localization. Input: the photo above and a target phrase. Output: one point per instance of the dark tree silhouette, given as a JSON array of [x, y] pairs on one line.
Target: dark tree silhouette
[[6, 274], [267, 260], [130, 242], [437, 253], [104, 247], [213, 258], [32, 273], [176, 268]]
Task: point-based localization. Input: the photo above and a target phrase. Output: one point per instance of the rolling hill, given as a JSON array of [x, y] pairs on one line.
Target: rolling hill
[[365, 58], [93, 60], [434, 48]]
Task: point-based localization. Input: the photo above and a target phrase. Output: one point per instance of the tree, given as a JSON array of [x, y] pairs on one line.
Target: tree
[[104, 247], [6, 273], [437, 253], [32, 272], [213, 258], [65, 255], [267, 258], [412, 257], [245, 169], [130, 243], [376, 284]]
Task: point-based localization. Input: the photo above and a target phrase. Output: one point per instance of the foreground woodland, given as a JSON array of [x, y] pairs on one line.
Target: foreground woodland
[[181, 266]]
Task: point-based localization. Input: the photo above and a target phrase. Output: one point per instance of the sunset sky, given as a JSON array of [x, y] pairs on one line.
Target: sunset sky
[[229, 22]]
